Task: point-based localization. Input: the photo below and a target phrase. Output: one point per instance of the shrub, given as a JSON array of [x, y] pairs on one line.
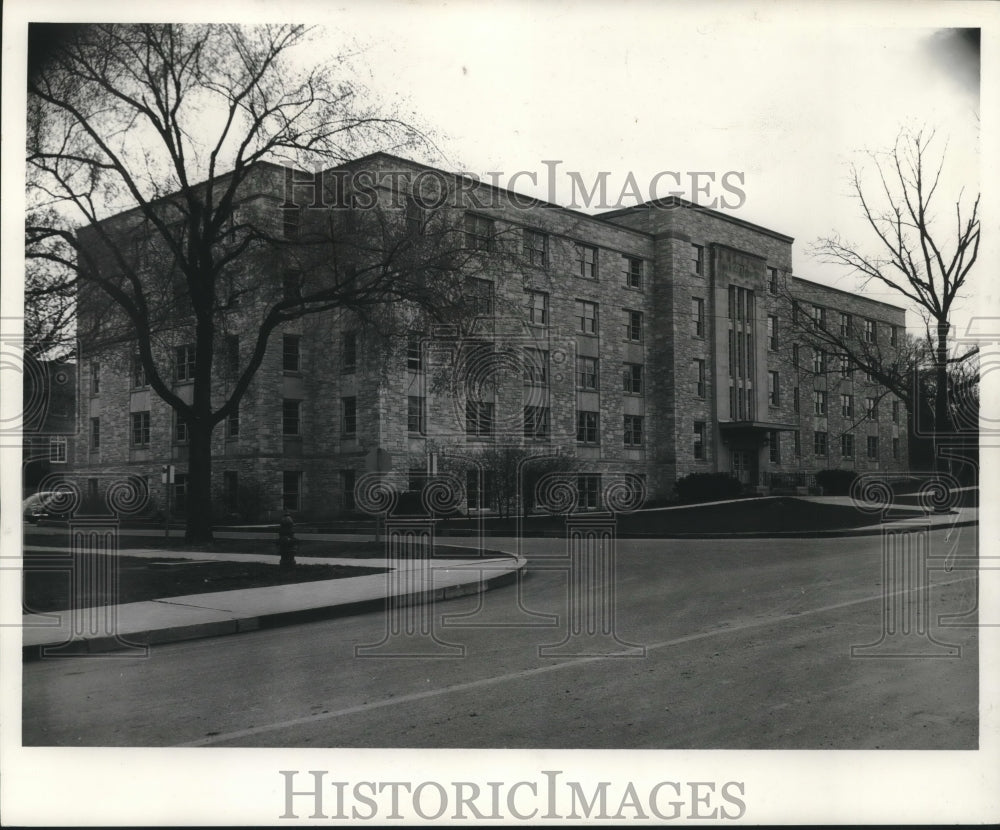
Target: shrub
[[836, 482], [708, 487]]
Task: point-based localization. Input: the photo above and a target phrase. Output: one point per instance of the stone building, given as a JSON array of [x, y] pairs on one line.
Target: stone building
[[657, 340]]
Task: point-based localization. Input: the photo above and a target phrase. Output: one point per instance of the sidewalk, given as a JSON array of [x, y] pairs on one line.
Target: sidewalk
[[110, 629]]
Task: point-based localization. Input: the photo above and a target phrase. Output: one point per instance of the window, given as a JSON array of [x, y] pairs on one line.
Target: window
[[586, 373], [349, 417], [869, 375], [845, 366], [698, 259], [479, 419], [819, 362], [633, 326], [291, 217], [847, 406], [291, 285], [819, 443], [95, 378], [699, 375], [138, 372], [632, 379], [478, 232], [819, 402], [632, 267], [536, 367], [290, 352], [698, 316], [797, 443], [795, 311], [895, 448], [633, 430], [180, 430], [232, 354], [773, 389], [893, 335], [699, 440], [846, 324], [586, 317], [95, 434], [872, 447], [414, 354], [772, 280], [414, 215], [184, 363], [536, 248], [233, 424], [795, 355], [290, 417], [347, 481], [291, 490], [895, 412], [538, 308], [416, 406], [819, 316], [57, 449], [230, 490], [796, 406], [871, 409], [479, 491], [536, 423], [587, 488], [140, 429], [772, 332], [480, 294], [847, 445], [869, 331], [586, 261], [586, 427], [349, 353], [774, 446]]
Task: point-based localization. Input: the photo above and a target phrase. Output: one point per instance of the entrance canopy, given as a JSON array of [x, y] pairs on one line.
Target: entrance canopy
[[751, 432]]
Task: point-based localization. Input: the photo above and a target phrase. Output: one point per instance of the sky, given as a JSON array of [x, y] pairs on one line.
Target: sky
[[783, 102]]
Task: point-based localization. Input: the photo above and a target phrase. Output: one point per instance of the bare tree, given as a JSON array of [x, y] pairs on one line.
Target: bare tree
[[923, 254], [147, 145]]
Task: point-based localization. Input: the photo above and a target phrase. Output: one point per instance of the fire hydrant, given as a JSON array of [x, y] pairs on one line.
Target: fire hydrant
[[286, 543]]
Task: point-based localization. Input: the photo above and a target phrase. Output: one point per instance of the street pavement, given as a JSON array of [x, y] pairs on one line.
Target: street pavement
[[713, 644]]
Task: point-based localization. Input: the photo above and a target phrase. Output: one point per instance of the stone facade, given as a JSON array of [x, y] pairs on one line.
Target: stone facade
[[663, 284]]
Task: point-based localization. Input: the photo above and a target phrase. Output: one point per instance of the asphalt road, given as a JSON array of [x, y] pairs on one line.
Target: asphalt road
[[742, 645]]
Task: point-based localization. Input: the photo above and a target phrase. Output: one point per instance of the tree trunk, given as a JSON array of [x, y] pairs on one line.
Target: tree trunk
[[942, 422], [199, 493]]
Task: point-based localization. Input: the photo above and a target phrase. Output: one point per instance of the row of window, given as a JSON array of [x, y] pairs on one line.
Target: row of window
[[821, 363], [869, 331], [480, 235]]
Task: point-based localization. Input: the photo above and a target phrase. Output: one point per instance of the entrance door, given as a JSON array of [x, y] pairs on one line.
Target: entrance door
[[741, 465]]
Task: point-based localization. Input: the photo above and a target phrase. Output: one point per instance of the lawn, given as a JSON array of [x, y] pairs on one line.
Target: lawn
[[142, 579], [771, 515]]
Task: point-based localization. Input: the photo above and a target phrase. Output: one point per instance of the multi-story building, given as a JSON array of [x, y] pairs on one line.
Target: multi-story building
[[657, 339]]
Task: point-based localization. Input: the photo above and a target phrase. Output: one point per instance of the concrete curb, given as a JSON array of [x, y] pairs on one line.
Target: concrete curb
[[118, 646]]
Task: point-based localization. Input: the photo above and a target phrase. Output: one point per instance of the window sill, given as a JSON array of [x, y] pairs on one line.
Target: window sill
[[295, 373]]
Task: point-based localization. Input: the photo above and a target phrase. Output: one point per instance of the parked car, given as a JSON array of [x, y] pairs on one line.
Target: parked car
[[42, 505]]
